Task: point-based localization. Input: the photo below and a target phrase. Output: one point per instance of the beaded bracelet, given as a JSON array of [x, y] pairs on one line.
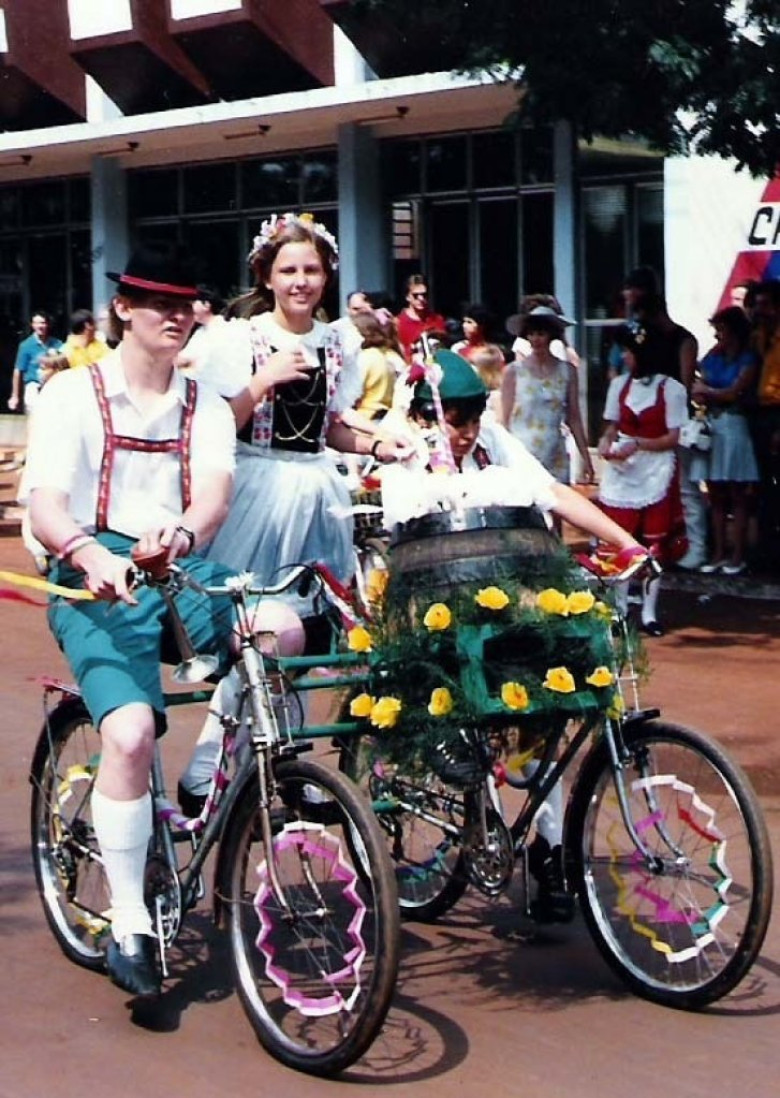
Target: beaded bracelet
[[72, 545]]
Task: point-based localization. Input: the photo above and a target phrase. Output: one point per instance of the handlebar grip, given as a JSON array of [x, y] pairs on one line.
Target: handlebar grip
[[155, 564]]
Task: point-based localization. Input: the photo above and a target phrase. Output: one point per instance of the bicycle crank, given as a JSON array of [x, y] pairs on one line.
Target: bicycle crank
[[489, 854]]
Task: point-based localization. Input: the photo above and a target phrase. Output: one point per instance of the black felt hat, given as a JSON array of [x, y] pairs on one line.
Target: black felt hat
[[160, 267]]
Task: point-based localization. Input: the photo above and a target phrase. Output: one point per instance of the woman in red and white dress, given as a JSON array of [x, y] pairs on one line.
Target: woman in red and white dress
[[639, 488]]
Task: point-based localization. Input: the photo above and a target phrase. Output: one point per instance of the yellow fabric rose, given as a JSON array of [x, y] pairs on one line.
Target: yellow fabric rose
[[600, 676], [559, 679], [359, 639], [514, 695], [376, 584], [617, 708], [603, 610], [384, 712], [580, 602], [362, 705], [437, 617], [552, 601], [491, 598], [441, 702]]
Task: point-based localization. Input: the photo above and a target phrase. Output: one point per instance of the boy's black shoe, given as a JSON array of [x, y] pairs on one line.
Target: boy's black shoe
[[553, 903], [132, 965], [191, 804]]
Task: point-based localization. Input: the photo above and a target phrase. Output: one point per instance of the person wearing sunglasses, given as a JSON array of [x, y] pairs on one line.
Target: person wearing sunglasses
[[417, 316]]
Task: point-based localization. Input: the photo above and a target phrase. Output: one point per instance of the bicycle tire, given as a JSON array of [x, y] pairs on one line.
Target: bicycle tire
[[316, 983], [430, 868], [68, 870], [684, 932]]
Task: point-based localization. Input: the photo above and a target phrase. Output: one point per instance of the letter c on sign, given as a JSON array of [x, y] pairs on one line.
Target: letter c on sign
[[763, 213]]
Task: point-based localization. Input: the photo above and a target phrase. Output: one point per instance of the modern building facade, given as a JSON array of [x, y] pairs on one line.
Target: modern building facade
[[194, 119]]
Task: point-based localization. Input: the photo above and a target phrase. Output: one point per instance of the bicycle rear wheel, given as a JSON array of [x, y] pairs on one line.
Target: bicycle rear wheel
[[316, 967], [684, 928], [68, 868], [422, 820]]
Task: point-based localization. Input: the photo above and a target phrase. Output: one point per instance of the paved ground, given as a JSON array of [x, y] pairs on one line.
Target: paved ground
[[478, 1011]]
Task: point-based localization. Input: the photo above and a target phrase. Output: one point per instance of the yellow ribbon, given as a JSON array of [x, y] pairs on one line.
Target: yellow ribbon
[[39, 584]]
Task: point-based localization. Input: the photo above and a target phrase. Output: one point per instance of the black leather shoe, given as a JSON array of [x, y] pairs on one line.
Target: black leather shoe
[[652, 628], [132, 965], [191, 804], [553, 903]]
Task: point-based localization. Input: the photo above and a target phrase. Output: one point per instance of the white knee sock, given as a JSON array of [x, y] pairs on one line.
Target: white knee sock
[[123, 830], [200, 769], [548, 820]]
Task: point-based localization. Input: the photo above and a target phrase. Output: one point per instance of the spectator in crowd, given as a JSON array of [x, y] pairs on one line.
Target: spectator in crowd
[[643, 414], [475, 325], [380, 363], [358, 304], [490, 363], [417, 316], [673, 351], [82, 347], [560, 346], [765, 420], [211, 339], [539, 395], [26, 380], [726, 376]]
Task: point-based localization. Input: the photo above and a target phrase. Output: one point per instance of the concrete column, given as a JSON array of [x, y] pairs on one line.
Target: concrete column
[[362, 236], [566, 221], [110, 232]]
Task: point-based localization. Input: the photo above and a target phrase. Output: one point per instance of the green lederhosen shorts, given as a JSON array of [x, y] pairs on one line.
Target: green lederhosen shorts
[[114, 650]]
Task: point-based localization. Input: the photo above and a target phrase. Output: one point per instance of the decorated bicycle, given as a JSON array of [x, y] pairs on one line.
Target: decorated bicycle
[[497, 661]]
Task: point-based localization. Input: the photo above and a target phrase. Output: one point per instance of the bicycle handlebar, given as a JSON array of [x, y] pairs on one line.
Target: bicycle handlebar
[[622, 566], [153, 569]]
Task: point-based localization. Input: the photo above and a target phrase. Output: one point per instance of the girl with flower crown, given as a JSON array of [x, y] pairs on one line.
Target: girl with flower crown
[[292, 387]]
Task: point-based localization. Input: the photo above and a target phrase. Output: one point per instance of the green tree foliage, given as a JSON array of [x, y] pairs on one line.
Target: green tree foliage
[[684, 75]]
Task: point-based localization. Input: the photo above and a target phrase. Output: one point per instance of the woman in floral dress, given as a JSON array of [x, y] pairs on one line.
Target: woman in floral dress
[[539, 398]]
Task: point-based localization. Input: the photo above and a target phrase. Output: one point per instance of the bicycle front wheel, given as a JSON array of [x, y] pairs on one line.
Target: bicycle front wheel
[[313, 923], [422, 820], [66, 859], [683, 926]]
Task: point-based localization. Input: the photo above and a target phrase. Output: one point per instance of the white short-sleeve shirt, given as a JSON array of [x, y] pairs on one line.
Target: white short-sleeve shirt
[[66, 442]]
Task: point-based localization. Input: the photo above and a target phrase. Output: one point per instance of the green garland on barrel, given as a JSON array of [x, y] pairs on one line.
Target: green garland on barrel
[[450, 661]]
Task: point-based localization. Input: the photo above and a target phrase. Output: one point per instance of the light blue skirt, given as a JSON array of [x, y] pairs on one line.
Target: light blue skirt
[[731, 456]]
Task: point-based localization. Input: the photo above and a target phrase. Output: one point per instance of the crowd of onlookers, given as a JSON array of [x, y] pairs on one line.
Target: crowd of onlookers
[[722, 436]]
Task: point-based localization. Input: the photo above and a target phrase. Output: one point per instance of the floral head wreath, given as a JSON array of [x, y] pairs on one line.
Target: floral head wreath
[[276, 224]]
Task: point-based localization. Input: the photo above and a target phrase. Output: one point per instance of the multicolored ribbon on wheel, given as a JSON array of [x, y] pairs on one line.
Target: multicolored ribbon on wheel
[[37, 583]]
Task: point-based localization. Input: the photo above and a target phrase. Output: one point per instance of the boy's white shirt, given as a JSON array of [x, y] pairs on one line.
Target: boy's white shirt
[[514, 478]]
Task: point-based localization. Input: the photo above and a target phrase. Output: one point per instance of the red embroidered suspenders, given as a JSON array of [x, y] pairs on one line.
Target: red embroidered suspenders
[[113, 442]]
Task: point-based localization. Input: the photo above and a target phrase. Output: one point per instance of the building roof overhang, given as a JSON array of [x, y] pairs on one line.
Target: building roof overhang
[[428, 103]]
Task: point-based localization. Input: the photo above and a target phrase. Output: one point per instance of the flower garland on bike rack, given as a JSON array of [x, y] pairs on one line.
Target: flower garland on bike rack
[[493, 657]]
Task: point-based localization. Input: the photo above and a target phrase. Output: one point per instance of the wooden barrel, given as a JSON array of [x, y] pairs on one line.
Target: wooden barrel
[[485, 545]]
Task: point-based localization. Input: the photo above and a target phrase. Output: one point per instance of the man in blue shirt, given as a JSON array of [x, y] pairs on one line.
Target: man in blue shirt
[[27, 369]]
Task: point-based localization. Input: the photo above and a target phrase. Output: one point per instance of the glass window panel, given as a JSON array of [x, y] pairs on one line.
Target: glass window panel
[[215, 245], [80, 269], [536, 155], [537, 243], [650, 228], [400, 167], [449, 247], [271, 183], [209, 187], [498, 265], [9, 207], [43, 203], [48, 273], [493, 158], [604, 219], [153, 193], [80, 199], [320, 178], [445, 164]]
